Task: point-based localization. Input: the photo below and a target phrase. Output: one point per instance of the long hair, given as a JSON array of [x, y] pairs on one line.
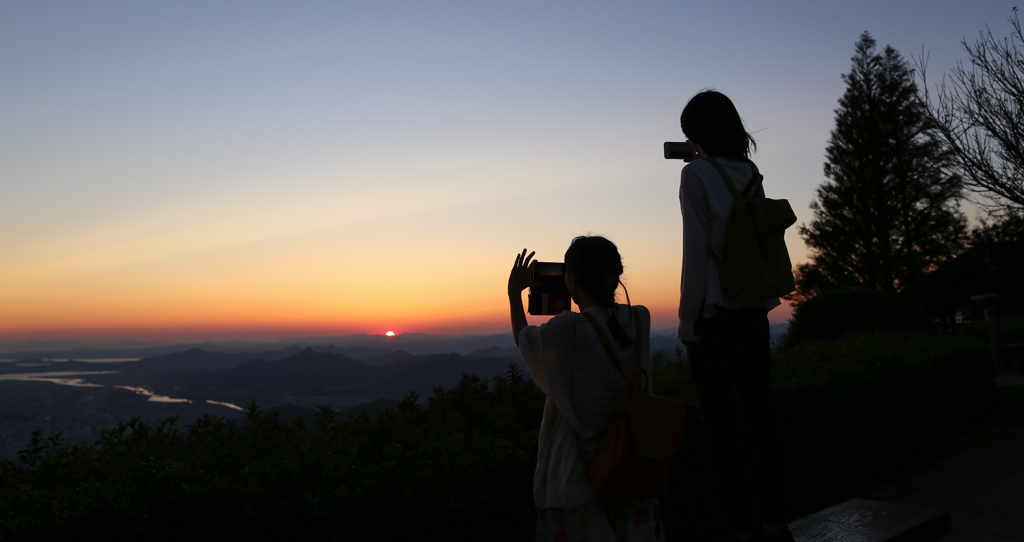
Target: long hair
[[710, 119], [596, 263]]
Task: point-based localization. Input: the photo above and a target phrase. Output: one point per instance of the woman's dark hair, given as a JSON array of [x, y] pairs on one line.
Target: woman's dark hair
[[711, 120], [596, 263]]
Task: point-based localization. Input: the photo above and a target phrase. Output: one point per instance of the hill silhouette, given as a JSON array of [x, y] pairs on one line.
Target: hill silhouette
[[304, 369]]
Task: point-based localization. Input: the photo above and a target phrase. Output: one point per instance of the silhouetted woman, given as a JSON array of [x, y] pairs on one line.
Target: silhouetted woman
[[585, 392], [727, 340]]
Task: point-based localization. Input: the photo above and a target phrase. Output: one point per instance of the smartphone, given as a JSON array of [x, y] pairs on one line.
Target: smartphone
[[675, 150], [547, 269], [550, 297]]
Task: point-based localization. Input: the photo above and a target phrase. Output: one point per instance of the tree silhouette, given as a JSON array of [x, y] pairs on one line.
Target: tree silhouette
[[887, 213], [979, 113]]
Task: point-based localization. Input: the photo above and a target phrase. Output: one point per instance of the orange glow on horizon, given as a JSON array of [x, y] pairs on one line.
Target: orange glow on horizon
[[318, 291], [493, 321]]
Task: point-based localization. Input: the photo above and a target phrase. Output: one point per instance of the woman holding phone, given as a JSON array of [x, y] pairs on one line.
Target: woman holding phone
[[728, 340]]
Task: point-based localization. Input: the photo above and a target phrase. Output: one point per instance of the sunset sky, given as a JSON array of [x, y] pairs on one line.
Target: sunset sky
[[259, 170]]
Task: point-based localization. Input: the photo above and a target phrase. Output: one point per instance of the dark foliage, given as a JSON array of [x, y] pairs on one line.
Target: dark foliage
[[1006, 227], [865, 409], [1011, 330], [993, 268], [993, 264], [834, 313], [887, 213]]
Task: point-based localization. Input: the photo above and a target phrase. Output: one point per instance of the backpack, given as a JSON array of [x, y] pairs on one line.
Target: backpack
[[635, 456], [754, 264]]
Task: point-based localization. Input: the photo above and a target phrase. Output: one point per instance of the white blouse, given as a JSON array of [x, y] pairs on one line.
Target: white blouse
[[706, 203], [585, 392]]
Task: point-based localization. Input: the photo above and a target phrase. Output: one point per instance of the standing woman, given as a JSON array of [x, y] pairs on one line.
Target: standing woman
[[585, 392], [727, 340]]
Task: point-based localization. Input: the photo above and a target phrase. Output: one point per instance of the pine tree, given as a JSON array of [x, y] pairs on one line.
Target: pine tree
[[888, 212]]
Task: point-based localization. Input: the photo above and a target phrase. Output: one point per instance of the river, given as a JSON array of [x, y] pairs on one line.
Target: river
[[62, 378]]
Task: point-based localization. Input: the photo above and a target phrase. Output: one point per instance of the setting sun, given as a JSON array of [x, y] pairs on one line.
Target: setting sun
[[390, 334]]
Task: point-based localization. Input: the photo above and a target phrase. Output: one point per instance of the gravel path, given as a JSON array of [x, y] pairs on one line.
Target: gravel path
[[981, 484]]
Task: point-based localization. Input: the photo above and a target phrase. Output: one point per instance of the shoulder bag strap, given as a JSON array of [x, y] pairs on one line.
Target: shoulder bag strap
[[640, 352], [755, 178], [639, 378], [732, 188], [605, 342], [725, 176], [618, 365]]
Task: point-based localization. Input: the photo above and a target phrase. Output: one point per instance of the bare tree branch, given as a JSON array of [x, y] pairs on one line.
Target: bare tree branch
[[979, 116]]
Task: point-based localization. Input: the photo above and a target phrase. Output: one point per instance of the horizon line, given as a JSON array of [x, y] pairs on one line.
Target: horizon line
[[185, 342]]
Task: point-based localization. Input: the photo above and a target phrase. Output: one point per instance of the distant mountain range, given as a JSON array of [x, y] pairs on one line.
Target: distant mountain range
[[372, 349], [360, 346], [309, 373], [360, 374]]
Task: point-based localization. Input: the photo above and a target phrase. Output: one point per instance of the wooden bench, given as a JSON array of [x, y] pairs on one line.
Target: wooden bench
[[862, 520]]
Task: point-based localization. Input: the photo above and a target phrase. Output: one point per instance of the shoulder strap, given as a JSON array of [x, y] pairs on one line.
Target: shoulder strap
[[639, 353], [605, 342], [603, 337], [721, 171], [639, 380], [755, 179], [639, 336]]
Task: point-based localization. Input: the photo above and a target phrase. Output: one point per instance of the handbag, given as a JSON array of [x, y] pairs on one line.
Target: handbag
[[635, 457]]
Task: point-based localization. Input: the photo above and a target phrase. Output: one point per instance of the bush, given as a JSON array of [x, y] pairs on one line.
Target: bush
[[832, 314], [865, 409]]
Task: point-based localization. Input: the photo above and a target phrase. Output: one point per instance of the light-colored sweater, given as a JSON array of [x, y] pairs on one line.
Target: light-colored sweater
[[706, 203], [585, 392]]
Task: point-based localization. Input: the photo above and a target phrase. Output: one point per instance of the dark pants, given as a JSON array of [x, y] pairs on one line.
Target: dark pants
[[731, 373]]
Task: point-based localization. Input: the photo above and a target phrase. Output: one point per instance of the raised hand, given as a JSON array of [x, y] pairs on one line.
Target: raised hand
[[519, 279], [521, 276]]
